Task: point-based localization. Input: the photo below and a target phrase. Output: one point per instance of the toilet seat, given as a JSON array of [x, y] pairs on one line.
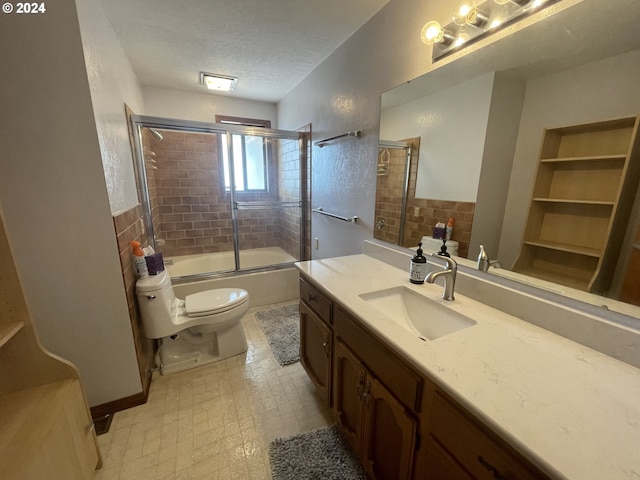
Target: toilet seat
[[216, 301]]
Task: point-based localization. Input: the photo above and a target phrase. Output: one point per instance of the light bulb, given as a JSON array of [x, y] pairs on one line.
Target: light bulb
[[432, 32], [461, 11]]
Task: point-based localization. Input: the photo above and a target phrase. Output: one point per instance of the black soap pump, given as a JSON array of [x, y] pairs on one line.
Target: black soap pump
[[418, 268]]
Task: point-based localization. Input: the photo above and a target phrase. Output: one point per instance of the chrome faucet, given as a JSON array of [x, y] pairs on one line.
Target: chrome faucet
[[449, 275]]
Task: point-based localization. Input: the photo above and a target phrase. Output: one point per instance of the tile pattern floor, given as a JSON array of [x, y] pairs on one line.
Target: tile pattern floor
[[216, 421]]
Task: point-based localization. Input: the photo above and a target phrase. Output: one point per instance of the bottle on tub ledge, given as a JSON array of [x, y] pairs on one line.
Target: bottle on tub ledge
[[418, 267], [138, 259]]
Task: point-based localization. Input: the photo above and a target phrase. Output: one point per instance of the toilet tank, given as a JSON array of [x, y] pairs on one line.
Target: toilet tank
[[157, 302]]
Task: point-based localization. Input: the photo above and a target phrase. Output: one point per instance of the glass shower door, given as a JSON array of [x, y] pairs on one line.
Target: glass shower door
[[264, 175]]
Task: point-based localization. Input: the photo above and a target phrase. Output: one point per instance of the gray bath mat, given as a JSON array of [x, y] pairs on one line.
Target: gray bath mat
[[282, 328], [319, 454]]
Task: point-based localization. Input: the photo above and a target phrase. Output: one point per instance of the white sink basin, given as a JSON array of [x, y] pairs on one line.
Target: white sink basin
[[427, 318]]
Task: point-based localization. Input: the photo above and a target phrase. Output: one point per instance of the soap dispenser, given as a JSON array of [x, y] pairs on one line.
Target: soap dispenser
[[418, 267], [483, 260]]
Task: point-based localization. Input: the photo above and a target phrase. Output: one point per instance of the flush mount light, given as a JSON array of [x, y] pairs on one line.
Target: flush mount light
[[213, 81]]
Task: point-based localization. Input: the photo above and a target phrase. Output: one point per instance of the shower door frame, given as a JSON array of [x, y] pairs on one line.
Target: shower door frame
[[138, 122]]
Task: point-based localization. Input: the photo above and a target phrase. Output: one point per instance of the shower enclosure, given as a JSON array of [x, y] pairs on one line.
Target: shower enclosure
[[392, 188], [221, 199]]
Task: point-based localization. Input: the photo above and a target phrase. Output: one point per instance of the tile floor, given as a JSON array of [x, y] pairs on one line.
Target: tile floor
[[216, 421]]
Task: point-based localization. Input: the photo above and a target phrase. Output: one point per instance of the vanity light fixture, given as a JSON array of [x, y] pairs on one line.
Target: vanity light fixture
[[214, 81], [487, 17]]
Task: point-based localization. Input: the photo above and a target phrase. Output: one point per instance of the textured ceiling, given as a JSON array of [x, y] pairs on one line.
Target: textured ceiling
[[270, 45]]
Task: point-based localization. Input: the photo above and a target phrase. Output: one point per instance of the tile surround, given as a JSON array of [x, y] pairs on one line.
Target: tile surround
[[192, 210], [422, 213]]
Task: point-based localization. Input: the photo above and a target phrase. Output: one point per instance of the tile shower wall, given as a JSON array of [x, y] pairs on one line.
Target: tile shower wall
[[128, 227], [422, 213], [192, 210]]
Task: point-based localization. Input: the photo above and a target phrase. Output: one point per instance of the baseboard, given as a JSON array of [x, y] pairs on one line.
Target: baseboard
[[104, 409]]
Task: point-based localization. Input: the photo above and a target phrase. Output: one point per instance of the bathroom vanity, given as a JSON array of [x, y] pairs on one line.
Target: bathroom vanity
[[482, 394]]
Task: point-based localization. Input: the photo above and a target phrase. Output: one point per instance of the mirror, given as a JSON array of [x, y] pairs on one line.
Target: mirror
[[479, 119]]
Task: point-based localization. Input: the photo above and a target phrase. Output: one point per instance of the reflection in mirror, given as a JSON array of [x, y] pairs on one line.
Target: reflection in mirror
[[484, 122]]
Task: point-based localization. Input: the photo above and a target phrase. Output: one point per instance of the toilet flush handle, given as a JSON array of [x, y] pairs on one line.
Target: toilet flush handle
[[151, 297]]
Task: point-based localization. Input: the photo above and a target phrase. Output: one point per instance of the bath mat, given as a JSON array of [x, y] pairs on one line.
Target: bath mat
[[282, 328], [319, 454]]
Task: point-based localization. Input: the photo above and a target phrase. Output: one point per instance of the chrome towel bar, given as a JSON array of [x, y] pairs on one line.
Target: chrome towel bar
[[333, 215], [355, 133]]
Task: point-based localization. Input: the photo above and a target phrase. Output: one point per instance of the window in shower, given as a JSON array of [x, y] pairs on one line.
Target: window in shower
[[250, 157], [250, 154]]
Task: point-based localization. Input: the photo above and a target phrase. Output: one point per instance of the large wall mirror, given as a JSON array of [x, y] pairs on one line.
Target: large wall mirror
[[529, 143]]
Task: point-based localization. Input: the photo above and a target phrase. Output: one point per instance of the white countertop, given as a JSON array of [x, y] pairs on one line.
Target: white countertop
[[574, 412]]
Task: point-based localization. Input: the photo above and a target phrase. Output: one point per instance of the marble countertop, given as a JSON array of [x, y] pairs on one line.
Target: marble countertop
[[573, 411]]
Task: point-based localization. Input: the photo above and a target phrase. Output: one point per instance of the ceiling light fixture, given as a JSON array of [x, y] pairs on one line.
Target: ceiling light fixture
[[487, 18], [214, 81]]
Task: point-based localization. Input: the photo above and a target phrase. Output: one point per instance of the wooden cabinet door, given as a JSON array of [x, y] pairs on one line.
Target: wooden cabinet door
[[439, 464], [389, 435], [349, 386], [315, 351]]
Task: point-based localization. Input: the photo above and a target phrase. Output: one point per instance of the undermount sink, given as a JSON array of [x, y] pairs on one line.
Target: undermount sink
[[427, 318]]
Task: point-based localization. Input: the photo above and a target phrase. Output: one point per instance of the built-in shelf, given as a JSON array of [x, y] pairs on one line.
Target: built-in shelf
[[565, 247], [8, 330], [574, 202], [582, 196], [594, 158]]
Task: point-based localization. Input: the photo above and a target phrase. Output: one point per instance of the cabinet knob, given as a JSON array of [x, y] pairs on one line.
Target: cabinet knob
[[311, 297], [151, 297], [325, 344]]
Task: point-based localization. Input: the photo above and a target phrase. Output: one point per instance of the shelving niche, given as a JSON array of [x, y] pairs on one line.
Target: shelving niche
[[46, 429], [584, 189]]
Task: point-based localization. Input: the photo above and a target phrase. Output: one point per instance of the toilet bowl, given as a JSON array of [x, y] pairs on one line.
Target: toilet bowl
[[203, 328]]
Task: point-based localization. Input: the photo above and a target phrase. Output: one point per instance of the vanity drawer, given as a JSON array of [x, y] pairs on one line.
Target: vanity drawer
[[320, 304], [479, 454], [405, 384]]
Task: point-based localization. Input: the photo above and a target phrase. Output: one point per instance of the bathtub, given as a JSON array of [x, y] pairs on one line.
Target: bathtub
[[264, 287]]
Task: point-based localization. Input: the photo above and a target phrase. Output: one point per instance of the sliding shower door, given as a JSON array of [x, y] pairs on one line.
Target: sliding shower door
[[264, 175], [219, 198]]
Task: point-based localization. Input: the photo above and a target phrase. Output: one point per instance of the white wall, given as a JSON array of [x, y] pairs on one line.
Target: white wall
[[112, 83], [451, 125], [597, 91], [56, 204], [163, 102]]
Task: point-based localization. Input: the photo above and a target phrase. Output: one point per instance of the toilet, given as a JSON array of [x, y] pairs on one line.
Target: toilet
[[203, 328]]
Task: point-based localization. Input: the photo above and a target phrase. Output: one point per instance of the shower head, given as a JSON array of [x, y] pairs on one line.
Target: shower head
[[156, 134]]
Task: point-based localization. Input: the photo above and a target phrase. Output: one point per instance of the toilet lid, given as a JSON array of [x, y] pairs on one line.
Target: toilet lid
[[214, 301]]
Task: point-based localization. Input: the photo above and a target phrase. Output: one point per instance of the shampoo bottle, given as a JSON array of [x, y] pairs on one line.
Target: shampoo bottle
[[483, 260], [138, 259], [449, 229], [418, 268]]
